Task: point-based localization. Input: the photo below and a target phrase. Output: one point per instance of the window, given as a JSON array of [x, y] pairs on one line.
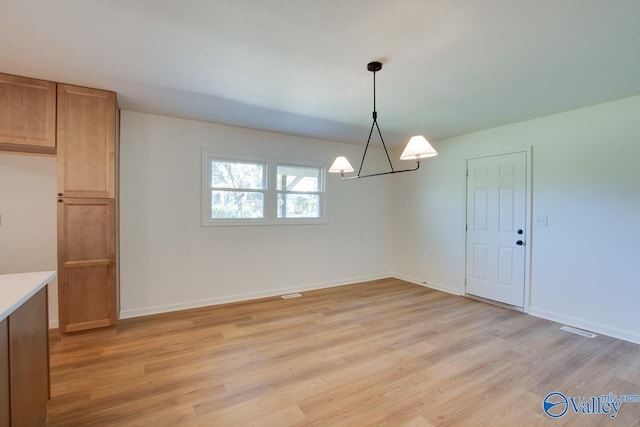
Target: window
[[299, 191], [260, 192], [237, 189]]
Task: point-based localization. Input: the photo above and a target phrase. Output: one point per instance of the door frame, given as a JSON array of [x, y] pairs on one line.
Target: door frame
[[528, 218]]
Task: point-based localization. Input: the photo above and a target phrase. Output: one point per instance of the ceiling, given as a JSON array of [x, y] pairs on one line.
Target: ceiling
[[299, 66]]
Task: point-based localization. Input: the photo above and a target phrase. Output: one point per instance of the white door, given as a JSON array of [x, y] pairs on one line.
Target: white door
[[496, 218]]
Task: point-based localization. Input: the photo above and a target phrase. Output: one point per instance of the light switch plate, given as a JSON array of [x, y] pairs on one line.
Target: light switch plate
[[541, 221]]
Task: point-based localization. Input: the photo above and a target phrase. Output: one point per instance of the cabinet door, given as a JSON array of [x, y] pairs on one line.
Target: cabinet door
[[4, 375], [86, 142], [27, 115], [86, 264], [29, 362]]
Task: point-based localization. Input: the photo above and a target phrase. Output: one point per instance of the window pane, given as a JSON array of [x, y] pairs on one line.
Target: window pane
[[298, 178], [237, 204], [298, 205], [232, 174]]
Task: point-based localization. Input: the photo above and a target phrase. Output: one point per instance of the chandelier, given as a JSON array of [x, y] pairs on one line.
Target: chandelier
[[417, 148]]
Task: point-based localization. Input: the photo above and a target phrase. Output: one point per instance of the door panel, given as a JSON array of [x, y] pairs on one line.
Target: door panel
[[481, 202], [505, 266], [506, 209], [480, 262], [90, 296], [86, 137], [496, 210], [86, 263], [27, 114], [87, 220]]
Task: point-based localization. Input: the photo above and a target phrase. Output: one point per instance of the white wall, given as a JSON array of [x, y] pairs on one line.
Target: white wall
[[169, 261], [28, 236], [586, 180]]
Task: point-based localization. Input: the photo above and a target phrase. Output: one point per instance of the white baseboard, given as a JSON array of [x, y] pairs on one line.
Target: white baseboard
[[587, 325], [145, 311], [432, 285]]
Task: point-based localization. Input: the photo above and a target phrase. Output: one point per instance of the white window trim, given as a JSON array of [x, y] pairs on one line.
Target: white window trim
[[271, 193]]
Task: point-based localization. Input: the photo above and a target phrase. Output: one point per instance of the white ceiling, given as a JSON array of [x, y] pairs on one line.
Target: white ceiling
[[299, 66]]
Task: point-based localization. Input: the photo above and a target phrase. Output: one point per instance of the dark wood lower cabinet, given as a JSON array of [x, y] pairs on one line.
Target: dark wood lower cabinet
[[5, 404], [26, 331]]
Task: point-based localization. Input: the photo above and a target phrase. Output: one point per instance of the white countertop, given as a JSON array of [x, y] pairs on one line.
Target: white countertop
[[16, 289]]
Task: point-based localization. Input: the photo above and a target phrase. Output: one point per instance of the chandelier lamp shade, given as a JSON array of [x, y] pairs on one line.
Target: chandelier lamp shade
[[417, 148]]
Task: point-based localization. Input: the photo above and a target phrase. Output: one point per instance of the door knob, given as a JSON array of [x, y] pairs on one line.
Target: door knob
[[520, 243]]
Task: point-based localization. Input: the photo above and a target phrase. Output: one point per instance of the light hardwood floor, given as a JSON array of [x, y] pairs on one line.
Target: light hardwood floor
[[378, 353]]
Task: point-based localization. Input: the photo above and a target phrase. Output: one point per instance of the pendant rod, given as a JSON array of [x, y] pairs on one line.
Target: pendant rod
[[375, 113]]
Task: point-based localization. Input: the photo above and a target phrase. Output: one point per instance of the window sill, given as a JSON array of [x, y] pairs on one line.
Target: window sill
[[263, 222]]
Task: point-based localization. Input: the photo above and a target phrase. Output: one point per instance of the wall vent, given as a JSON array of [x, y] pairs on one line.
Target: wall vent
[[578, 332], [289, 296]]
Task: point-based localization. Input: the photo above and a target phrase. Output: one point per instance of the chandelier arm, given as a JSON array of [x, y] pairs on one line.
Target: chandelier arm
[[384, 146], [367, 146], [382, 173]]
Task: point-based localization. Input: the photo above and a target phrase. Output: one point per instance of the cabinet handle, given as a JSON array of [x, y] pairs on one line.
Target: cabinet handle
[[59, 200], [59, 194]]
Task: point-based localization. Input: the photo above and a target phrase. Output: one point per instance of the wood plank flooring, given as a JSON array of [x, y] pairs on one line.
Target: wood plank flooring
[[385, 353]]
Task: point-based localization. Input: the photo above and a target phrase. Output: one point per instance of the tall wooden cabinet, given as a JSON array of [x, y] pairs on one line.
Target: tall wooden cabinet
[[87, 138], [81, 127]]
